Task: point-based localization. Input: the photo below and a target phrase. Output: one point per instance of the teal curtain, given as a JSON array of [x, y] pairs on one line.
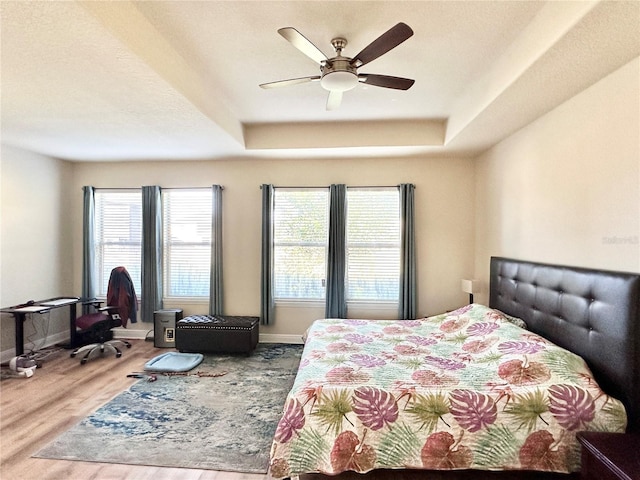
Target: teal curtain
[[335, 301], [151, 277], [407, 301], [266, 281], [88, 245], [215, 280]]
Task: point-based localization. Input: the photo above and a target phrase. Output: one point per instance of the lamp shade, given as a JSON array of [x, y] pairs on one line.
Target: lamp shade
[[470, 286], [339, 81]]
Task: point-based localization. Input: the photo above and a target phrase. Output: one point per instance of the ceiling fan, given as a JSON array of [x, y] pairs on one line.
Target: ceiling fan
[[340, 74]]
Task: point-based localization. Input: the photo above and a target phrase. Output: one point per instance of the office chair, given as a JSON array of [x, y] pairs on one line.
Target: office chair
[[121, 306], [97, 327]]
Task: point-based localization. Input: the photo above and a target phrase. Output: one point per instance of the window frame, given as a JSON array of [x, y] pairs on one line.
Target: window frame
[[286, 301], [166, 252], [352, 303], [363, 303], [101, 275]]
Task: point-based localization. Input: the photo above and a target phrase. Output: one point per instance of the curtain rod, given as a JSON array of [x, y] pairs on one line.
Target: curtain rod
[[189, 188], [162, 188], [326, 187]]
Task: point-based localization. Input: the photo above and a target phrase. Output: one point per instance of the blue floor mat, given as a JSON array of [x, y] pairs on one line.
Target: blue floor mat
[[174, 362]]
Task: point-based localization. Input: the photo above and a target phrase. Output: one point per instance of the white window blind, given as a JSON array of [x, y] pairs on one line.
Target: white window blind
[[118, 235], [187, 242], [373, 244], [300, 229]]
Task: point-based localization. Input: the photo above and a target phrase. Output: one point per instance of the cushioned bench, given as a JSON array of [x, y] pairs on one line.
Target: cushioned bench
[[217, 333]]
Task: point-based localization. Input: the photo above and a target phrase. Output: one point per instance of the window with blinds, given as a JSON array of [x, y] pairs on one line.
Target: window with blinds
[[300, 231], [373, 244], [118, 235], [187, 242]]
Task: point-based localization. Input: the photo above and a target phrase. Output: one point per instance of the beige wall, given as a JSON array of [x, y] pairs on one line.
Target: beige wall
[[566, 188], [444, 218], [35, 237]]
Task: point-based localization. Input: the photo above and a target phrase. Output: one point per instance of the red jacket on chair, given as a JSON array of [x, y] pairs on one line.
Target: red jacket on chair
[[121, 294]]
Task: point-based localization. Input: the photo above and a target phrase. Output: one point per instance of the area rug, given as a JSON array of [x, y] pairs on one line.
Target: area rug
[[222, 416]]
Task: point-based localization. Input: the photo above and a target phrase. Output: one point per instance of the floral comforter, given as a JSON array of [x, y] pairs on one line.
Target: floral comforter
[[464, 390]]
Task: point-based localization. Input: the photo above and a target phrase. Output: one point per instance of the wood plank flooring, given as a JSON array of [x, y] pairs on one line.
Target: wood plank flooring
[[34, 411]]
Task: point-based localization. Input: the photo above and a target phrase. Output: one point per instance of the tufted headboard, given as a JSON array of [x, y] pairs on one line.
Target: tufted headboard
[[593, 313]]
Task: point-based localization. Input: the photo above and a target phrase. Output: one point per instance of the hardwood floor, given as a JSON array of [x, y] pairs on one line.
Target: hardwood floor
[[34, 411]]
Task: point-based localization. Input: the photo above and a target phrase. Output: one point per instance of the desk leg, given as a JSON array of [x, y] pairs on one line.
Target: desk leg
[[72, 325], [20, 319]]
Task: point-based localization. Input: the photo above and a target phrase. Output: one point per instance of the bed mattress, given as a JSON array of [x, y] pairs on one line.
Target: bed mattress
[[467, 389]]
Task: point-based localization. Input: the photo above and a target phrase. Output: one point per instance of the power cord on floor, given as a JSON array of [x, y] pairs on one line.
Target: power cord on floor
[[44, 354], [44, 321]]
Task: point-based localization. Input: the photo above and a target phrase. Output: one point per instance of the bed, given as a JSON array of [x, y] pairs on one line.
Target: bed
[[470, 390]]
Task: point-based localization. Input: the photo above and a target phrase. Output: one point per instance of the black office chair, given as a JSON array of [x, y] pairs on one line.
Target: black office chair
[[97, 327]]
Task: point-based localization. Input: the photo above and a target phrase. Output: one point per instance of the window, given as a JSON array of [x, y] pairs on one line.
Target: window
[[300, 239], [373, 244], [118, 235], [187, 242], [301, 224]]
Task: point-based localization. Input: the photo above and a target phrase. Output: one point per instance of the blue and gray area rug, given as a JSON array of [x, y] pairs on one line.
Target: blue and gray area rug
[[221, 423]]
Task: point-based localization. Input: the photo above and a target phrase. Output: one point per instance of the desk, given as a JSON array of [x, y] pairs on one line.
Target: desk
[[20, 313]]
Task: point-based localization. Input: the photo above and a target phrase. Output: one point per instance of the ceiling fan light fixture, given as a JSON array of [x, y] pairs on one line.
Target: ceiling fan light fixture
[[340, 74], [339, 81]]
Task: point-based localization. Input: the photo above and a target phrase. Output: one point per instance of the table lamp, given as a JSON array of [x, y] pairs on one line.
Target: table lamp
[[470, 287]]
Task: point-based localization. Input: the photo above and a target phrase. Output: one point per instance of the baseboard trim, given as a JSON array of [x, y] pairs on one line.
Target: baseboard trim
[[280, 338], [263, 337], [63, 337], [130, 334], [51, 340]]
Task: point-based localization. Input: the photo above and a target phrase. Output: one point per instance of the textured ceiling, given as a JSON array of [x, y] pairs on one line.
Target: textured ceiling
[[179, 79]]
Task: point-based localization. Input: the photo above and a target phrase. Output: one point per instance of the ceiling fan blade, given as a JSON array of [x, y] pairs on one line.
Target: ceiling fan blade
[[334, 100], [386, 81], [287, 83], [303, 44], [381, 45]]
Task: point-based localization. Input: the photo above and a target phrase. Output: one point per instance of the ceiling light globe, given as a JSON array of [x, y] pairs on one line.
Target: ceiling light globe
[[339, 81]]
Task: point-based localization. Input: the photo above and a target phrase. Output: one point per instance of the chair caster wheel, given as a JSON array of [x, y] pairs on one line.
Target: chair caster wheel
[[118, 355], [73, 355], [83, 361], [129, 346]]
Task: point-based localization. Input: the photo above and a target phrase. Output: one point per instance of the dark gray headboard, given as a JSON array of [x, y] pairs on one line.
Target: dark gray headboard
[[593, 313]]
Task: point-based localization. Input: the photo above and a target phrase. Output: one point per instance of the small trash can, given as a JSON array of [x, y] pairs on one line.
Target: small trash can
[[164, 327]]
